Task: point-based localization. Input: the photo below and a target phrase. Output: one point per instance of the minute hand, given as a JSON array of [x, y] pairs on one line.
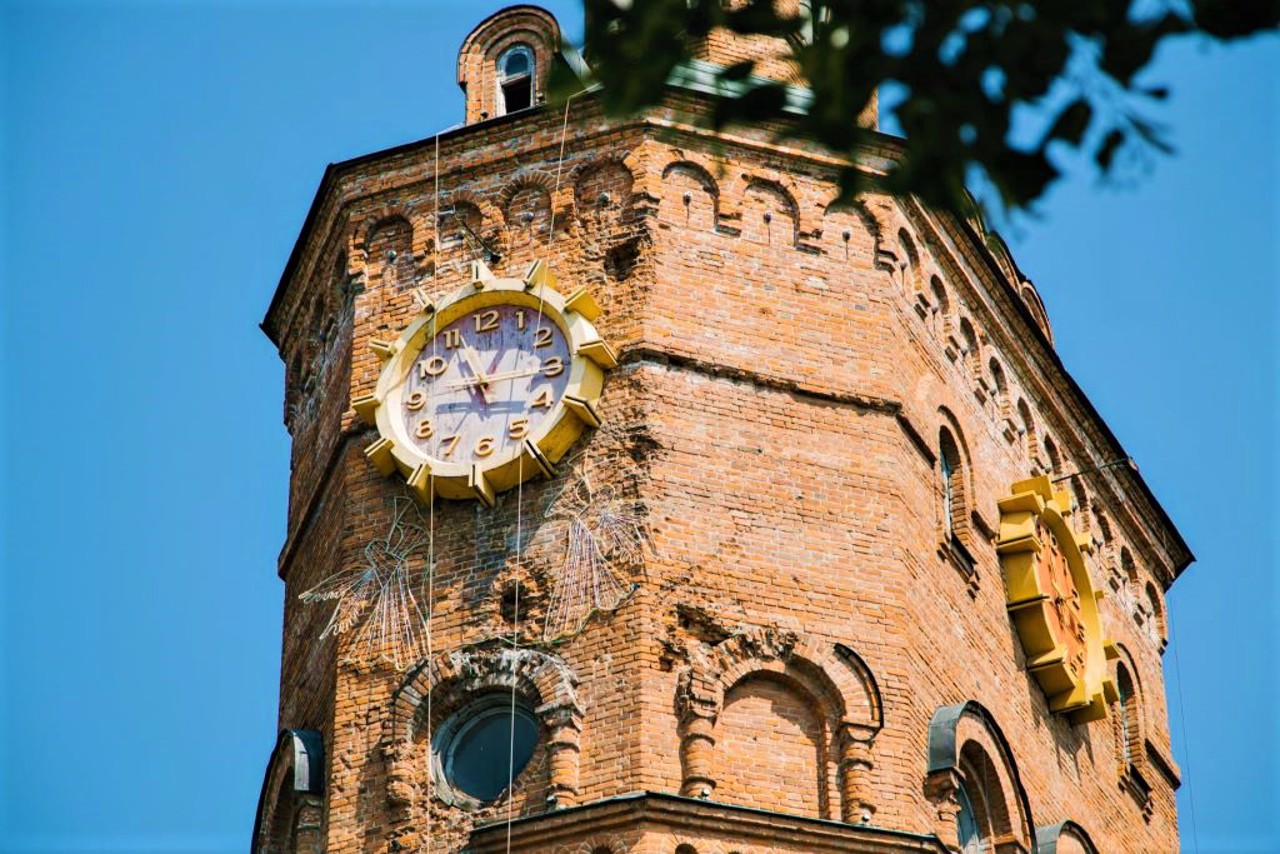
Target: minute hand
[[493, 378]]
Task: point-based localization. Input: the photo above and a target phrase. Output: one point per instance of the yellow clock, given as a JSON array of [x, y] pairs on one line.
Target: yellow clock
[[488, 388], [1052, 602]]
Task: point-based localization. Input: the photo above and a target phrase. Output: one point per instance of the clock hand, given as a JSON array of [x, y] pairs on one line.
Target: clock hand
[[481, 380], [493, 378]]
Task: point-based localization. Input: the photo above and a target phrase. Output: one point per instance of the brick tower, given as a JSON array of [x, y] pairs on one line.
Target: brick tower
[[643, 499]]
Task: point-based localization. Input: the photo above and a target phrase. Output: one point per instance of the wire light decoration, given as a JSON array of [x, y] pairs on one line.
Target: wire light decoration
[[376, 601], [605, 538]]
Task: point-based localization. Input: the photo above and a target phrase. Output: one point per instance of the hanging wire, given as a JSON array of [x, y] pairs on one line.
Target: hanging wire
[[515, 631], [1186, 748], [431, 513]]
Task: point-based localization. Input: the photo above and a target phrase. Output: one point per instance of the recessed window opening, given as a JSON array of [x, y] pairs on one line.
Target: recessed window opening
[[515, 79], [951, 474], [485, 744]]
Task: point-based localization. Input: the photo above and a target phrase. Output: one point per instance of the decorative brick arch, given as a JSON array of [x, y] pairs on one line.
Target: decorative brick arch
[[291, 803], [1035, 307], [741, 187], [857, 208], [490, 214], [365, 227], [702, 175], [889, 220], [543, 681], [835, 676], [1077, 840], [961, 735], [524, 180], [586, 178], [629, 161]]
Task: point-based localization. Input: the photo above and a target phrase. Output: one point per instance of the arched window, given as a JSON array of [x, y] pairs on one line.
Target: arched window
[[1055, 459], [955, 500], [969, 340], [515, 79], [1028, 426], [972, 774], [1126, 719], [1159, 630]]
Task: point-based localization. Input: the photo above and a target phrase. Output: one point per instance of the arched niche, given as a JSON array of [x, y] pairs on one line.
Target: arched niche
[[1158, 627], [769, 214], [850, 233], [909, 272], [388, 249], [689, 197], [528, 213], [602, 194], [971, 767], [828, 693], [290, 805]]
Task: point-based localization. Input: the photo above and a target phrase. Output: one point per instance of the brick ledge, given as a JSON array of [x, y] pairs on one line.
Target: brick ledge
[[650, 812]]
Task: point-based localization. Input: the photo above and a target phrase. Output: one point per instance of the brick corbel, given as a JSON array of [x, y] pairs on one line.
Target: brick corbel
[[942, 788]]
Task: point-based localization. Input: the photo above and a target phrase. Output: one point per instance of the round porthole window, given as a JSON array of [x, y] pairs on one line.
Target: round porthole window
[[483, 746]]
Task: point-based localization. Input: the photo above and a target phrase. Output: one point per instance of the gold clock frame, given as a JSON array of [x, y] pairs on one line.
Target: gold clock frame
[[576, 410], [1032, 507]]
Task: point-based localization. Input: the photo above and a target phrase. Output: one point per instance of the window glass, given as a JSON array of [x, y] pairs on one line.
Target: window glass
[[517, 62], [484, 745], [967, 824]]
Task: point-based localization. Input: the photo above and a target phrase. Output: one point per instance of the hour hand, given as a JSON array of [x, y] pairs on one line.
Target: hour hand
[[481, 381]]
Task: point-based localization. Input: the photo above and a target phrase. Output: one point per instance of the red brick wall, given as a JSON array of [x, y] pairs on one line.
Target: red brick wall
[[770, 733]]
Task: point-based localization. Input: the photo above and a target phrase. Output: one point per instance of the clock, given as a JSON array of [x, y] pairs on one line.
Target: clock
[[488, 388], [1052, 602]]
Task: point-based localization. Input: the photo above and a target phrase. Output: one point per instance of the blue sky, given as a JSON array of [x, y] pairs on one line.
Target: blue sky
[[158, 160]]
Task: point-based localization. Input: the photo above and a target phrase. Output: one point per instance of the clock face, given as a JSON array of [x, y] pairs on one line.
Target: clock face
[[1051, 601], [488, 388], [490, 379], [1065, 613]]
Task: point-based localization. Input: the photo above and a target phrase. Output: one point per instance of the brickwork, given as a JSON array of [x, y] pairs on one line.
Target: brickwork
[[787, 369]]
